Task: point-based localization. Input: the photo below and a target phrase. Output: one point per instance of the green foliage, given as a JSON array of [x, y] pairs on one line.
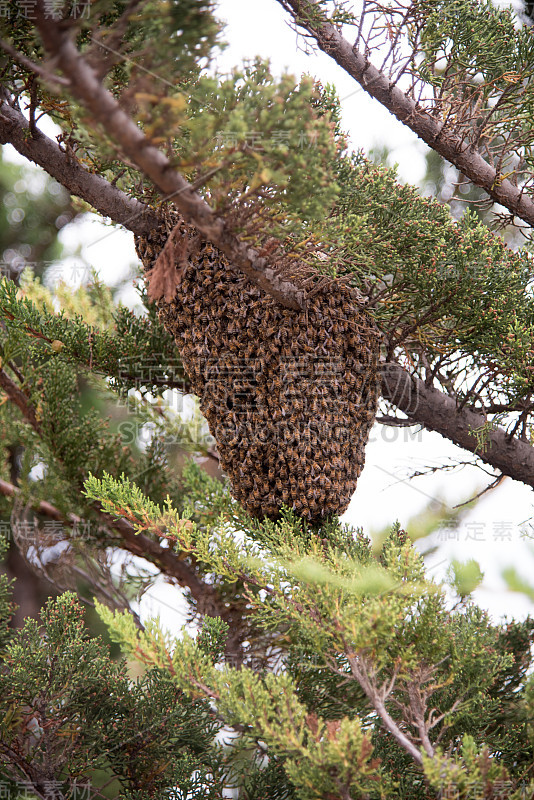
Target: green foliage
[[81, 428], [71, 715], [262, 137], [518, 583], [349, 624], [212, 637], [322, 666], [450, 286], [135, 352], [490, 59], [466, 576], [473, 774], [6, 606], [318, 757]]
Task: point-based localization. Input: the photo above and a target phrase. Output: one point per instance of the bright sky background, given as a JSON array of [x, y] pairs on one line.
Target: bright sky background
[[492, 532]]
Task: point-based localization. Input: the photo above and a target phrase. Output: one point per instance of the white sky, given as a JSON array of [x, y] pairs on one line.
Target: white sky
[[492, 532]]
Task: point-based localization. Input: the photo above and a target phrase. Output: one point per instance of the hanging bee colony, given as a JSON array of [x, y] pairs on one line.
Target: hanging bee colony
[[290, 396]]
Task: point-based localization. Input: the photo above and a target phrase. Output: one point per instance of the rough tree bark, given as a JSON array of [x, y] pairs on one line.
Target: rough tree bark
[[438, 412]]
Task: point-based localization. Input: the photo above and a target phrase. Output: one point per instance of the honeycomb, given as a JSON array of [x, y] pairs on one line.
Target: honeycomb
[[290, 396]]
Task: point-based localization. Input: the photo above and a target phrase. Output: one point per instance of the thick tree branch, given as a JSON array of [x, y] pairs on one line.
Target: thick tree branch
[[95, 190], [438, 412], [464, 156], [105, 109]]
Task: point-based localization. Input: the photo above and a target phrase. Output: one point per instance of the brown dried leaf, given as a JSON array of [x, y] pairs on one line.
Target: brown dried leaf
[[169, 267]]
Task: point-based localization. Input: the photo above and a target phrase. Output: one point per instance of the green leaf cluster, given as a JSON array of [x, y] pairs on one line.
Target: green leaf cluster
[[71, 716], [347, 624]]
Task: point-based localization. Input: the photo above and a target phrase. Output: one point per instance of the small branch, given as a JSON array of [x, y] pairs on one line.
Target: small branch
[[417, 708], [31, 66], [395, 422], [498, 480], [359, 671], [19, 399], [104, 61], [42, 507]]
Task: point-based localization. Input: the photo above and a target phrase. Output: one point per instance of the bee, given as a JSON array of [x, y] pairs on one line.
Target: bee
[[307, 450], [287, 434], [337, 464], [276, 383], [322, 481], [258, 365], [299, 472], [276, 414], [303, 502]]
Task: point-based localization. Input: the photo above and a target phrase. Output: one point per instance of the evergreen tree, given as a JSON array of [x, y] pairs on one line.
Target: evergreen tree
[[319, 666]]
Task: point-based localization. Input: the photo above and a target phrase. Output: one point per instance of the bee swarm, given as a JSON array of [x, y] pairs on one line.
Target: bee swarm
[[289, 396]]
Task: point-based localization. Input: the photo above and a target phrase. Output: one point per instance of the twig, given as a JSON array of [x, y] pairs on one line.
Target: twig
[[499, 479], [34, 68], [19, 399]]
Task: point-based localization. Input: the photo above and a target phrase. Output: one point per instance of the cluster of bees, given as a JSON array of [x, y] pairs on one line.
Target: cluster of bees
[[290, 396]]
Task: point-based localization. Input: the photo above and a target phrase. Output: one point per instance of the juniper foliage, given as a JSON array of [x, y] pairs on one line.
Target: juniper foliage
[[314, 663]]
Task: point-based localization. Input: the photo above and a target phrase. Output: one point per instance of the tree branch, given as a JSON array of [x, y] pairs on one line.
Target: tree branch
[[359, 670], [18, 397], [105, 109], [95, 190], [438, 412], [167, 561], [464, 156], [417, 709]]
